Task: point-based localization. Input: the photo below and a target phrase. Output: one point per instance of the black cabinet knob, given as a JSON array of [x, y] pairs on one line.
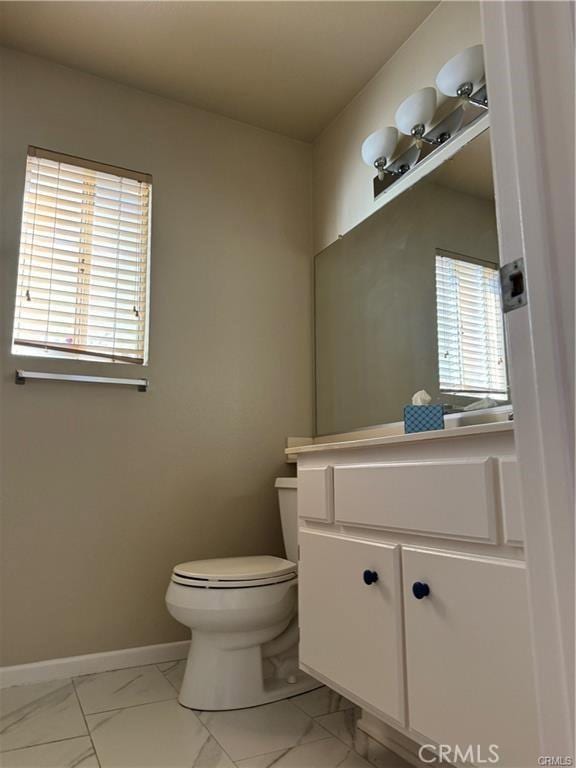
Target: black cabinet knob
[[370, 577], [420, 590]]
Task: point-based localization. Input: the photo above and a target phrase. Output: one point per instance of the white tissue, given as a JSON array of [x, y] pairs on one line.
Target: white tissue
[[478, 405], [421, 398]]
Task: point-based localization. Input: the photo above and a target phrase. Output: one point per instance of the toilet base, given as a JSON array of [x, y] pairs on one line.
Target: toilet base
[[275, 690], [218, 679]]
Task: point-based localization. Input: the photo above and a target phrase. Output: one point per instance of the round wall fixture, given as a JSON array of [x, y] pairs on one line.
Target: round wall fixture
[[415, 114], [378, 148], [463, 73]]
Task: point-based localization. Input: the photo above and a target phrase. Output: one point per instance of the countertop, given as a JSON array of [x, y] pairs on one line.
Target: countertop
[[438, 434]]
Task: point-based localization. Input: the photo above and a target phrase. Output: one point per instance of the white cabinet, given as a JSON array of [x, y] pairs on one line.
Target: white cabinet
[[316, 494], [512, 513], [469, 668], [451, 498], [350, 630], [449, 667]]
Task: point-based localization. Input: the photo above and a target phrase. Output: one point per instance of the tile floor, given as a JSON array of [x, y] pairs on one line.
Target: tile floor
[[130, 718]]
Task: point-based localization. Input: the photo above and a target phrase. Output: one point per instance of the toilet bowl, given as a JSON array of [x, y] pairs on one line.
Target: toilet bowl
[[242, 614]]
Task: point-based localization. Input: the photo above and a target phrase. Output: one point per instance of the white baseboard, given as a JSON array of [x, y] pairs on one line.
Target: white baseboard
[[54, 669]]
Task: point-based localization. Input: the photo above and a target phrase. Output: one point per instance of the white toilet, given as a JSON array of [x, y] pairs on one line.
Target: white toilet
[[242, 613]]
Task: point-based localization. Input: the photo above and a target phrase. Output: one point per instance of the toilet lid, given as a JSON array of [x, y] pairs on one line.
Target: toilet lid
[[237, 569]]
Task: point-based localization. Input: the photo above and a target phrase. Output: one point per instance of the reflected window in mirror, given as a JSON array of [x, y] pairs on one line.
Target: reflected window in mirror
[[471, 349]]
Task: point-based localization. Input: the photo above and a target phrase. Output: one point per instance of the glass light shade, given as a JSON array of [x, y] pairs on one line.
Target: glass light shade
[[379, 144], [466, 67], [407, 160], [418, 109]]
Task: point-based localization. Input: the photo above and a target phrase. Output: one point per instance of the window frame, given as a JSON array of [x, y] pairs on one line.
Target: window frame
[[52, 352]]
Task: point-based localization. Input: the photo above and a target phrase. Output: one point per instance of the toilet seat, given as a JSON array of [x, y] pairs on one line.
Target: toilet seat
[[234, 572]]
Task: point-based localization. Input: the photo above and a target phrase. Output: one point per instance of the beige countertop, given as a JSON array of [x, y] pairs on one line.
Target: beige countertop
[[390, 439]]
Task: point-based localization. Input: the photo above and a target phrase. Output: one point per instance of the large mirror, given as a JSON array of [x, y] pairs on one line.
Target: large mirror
[[410, 300]]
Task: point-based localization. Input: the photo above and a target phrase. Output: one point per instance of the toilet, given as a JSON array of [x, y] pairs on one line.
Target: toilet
[[242, 612]]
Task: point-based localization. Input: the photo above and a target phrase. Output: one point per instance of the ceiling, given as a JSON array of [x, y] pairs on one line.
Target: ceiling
[[290, 67]]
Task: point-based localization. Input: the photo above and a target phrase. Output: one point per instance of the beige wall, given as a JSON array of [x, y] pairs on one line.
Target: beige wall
[[105, 489], [342, 183]]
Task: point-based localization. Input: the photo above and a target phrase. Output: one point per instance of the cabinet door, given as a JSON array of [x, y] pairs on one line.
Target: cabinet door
[[468, 655], [351, 631], [513, 516], [316, 494], [451, 497]]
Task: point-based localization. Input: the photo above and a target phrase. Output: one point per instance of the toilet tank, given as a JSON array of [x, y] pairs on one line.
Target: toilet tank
[[287, 490]]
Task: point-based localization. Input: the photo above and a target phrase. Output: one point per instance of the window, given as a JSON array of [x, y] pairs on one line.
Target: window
[[83, 269], [471, 353]]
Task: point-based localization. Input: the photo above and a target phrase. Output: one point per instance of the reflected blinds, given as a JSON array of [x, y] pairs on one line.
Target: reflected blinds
[[471, 352], [82, 287]]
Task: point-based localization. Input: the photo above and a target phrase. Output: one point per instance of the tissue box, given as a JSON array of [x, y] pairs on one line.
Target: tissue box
[[422, 418]]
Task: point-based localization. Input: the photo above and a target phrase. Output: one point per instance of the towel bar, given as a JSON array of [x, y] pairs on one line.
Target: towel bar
[[22, 376]]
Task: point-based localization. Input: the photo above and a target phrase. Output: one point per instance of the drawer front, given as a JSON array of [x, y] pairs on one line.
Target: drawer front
[[350, 631], [468, 655], [316, 494], [453, 498], [512, 513]]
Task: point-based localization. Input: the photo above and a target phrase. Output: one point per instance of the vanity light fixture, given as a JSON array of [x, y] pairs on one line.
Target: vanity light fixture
[[416, 113], [378, 148], [462, 76], [406, 161]]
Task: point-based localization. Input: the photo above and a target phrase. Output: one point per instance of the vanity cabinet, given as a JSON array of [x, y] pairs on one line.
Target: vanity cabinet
[[412, 588], [452, 497], [513, 524], [316, 496], [468, 663], [351, 617]]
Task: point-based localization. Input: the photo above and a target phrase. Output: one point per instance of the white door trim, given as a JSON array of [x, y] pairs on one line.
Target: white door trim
[[529, 49]]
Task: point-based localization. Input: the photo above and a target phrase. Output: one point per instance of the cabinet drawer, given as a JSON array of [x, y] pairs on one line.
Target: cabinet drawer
[[453, 498], [468, 655], [512, 513], [350, 631], [316, 494]]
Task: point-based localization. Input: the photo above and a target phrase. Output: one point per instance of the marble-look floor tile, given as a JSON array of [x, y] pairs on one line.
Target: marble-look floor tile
[[34, 714], [377, 754], [257, 731], [328, 753], [173, 671], [122, 688], [342, 724], [71, 753], [161, 735], [322, 701]]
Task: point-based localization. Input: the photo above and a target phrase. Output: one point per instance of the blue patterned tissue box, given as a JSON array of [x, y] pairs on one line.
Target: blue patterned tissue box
[[422, 418]]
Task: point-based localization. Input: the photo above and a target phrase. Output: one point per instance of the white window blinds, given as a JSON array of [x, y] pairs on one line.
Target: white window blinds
[[471, 352], [82, 287]]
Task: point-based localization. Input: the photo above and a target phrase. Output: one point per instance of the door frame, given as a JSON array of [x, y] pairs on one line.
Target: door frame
[[529, 48]]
